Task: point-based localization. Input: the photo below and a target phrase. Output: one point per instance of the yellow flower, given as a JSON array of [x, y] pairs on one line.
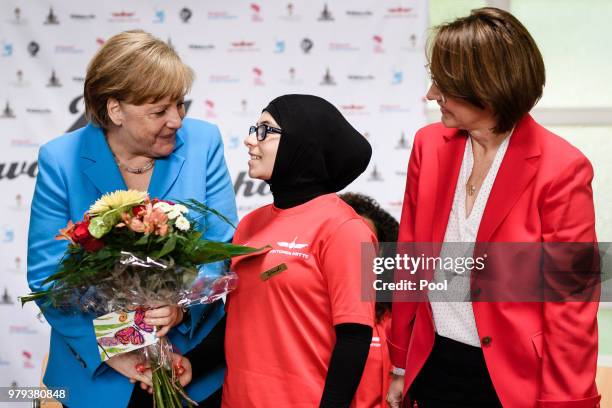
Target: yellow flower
[[117, 199]]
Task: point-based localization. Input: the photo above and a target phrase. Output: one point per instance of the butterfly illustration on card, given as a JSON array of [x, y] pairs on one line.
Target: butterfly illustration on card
[[133, 334]]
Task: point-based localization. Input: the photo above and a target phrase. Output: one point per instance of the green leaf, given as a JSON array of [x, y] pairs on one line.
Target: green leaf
[[168, 246], [143, 240]]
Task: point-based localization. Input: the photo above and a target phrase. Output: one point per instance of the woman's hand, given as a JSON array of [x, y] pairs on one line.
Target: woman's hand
[[165, 316], [180, 365], [396, 389], [126, 364]]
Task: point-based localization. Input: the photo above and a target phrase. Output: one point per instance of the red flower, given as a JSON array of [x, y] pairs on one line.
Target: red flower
[[138, 209], [81, 234], [93, 245]]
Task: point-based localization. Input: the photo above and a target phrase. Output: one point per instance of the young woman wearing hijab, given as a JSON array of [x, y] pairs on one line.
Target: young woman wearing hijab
[[300, 336]]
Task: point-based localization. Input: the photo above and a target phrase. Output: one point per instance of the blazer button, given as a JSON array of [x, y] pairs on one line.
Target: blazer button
[[486, 341]]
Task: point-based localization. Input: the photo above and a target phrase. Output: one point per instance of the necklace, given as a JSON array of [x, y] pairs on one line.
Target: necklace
[[135, 170]]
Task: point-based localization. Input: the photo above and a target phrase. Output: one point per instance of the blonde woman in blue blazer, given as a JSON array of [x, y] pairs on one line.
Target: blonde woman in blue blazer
[[137, 138]]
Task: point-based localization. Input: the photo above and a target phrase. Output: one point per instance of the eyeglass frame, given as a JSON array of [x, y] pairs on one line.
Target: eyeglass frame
[[267, 129]]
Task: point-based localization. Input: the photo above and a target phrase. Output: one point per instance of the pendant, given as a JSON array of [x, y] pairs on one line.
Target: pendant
[[471, 189]]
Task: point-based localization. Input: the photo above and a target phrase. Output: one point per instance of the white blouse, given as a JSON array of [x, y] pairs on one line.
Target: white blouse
[[455, 319]]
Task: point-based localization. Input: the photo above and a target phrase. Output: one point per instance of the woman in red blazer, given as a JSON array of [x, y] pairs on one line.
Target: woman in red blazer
[[490, 173]]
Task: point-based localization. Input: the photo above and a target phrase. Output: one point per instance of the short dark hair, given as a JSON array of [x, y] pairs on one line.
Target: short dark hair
[[490, 60]]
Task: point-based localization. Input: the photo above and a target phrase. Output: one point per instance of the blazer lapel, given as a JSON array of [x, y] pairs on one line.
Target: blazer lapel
[[99, 165], [450, 156], [167, 170], [519, 166]]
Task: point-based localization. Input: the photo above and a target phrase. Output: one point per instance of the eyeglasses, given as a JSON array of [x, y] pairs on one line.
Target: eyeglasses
[[263, 130]]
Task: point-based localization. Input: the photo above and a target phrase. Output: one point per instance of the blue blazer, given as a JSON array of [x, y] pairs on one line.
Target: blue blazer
[[73, 171]]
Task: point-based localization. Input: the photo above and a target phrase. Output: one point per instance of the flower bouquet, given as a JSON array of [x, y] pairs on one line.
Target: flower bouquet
[[131, 253]]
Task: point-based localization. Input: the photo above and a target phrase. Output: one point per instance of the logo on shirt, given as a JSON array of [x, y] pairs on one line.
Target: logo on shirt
[[292, 244], [292, 249]]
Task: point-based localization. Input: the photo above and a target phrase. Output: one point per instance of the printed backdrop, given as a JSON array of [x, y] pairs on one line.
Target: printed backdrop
[[365, 56]]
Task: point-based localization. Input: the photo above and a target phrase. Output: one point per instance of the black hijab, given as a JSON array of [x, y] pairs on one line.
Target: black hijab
[[319, 151]]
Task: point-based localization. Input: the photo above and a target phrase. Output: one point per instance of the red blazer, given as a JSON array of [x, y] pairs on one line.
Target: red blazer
[[538, 354]]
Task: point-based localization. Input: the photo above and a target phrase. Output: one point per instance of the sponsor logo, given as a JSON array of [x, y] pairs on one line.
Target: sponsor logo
[[201, 47], [38, 110], [234, 142], [375, 175], [290, 14], [17, 17], [209, 110], [354, 109], [7, 234], [326, 15], [82, 17], [328, 79], [258, 77], [359, 13], [24, 143], [67, 49], [342, 46], [78, 79], [185, 14], [20, 81], [412, 43], [7, 112], [243, 46], [292, 78], [54, 81], [51, 18], [245, 111], [33, 48], [397, 77], [306, 45], [123, 17], [391, 108], [4, 363], [402, 143], [279, 46], [220, 15], [6, 298], [27, 359], [20, 329], [256, 13], [378, 44], [7, 49], [223, 79], [360, 78], [160, 16], [400, 12]]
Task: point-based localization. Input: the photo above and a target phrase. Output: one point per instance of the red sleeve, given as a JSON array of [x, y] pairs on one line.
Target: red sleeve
[[569, 360], [341, 266], [403, 313]]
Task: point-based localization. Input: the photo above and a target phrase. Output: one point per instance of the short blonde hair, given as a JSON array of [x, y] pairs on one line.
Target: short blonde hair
[[490, 60], [134, 67]]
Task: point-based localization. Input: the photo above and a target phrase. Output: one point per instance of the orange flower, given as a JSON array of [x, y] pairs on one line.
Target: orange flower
[[66, 233]]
